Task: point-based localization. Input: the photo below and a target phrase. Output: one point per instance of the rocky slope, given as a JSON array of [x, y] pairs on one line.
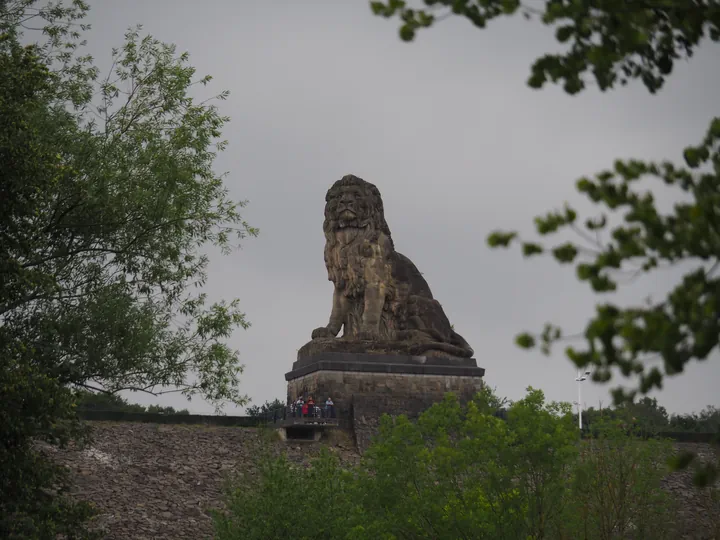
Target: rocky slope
[[153, 481]]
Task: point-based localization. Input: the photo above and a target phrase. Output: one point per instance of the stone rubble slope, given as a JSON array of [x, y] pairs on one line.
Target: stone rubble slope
[[152, 481]]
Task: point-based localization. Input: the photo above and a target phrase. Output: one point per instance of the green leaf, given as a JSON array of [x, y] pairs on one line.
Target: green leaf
[[565, 253], [714, 130], [525, 341], [510, 6], [692, 157], [570, 215], [537, 79], [602, 284], [596, 224], [563, 33], [529, 249], [500, 239], [407, 32], [378, 8], [585, 271]]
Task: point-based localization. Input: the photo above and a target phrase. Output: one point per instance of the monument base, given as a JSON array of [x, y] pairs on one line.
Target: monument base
[[364, 386]]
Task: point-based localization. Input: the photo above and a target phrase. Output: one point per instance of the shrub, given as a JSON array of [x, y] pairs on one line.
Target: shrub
[[463, 472]]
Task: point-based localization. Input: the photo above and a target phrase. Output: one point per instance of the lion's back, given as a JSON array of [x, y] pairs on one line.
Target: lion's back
[[405, 271]]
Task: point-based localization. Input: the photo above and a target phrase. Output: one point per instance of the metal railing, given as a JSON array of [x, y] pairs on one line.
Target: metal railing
[[319, 415]]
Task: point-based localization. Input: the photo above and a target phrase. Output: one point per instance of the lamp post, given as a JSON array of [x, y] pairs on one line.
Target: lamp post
[[579, 379]]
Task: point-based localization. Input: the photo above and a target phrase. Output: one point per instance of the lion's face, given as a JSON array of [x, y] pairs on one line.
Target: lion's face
[[352, 203]]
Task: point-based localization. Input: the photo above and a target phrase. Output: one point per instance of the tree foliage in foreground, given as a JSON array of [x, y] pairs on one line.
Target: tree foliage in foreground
[[462, 472], [107, 196], [613, 42]]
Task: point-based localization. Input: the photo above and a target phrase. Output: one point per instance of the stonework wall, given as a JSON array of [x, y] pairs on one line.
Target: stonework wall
[[348, 388], [158, 482]]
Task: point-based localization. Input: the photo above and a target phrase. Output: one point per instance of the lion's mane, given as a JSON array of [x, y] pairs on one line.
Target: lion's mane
[[343, 259]]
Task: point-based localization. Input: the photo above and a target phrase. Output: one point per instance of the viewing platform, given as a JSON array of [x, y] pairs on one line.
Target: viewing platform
[[298, 427]]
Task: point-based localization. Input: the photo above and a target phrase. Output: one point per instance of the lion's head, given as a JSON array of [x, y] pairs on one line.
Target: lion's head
[[352, 202]]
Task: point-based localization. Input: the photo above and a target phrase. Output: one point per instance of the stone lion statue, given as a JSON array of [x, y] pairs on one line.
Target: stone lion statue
[[380, 298]]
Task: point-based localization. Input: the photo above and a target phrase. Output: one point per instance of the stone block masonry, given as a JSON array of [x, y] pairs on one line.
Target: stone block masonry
[[363, 385], [342, 386]]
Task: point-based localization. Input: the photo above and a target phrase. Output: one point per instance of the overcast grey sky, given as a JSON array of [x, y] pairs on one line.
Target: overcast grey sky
[[457, 144]]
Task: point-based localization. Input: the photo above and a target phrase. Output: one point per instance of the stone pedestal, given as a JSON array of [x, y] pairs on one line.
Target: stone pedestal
[[364, 386]]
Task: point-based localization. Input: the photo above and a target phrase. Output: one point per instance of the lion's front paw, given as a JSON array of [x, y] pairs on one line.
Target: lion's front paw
[[322, 332]]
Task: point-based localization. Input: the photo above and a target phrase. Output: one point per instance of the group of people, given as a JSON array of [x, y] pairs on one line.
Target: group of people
[[302, 408]]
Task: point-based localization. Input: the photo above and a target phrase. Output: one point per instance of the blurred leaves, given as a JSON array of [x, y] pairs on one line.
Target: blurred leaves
[[616, 41], [610, 41], [683, 327]]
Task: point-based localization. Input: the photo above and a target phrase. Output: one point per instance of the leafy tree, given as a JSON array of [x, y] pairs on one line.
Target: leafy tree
[[105, 263], [707, 421], [644, 416], [456, 473], [616, 491], [101, 401], [647, 415], [614, 42], [159, 409], [266, 409], [34, 404], [107, 195], [651, 418], [462, 472], [281, 500]]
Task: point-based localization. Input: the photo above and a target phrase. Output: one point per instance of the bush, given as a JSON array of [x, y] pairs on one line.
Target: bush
[[616, 490], [462, 472], [286, 501]]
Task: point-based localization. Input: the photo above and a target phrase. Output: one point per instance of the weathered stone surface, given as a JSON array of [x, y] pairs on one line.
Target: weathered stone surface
[[381, 301], [344, 384], [153, 481], [697, 510], [390, 392], [408, 361]]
